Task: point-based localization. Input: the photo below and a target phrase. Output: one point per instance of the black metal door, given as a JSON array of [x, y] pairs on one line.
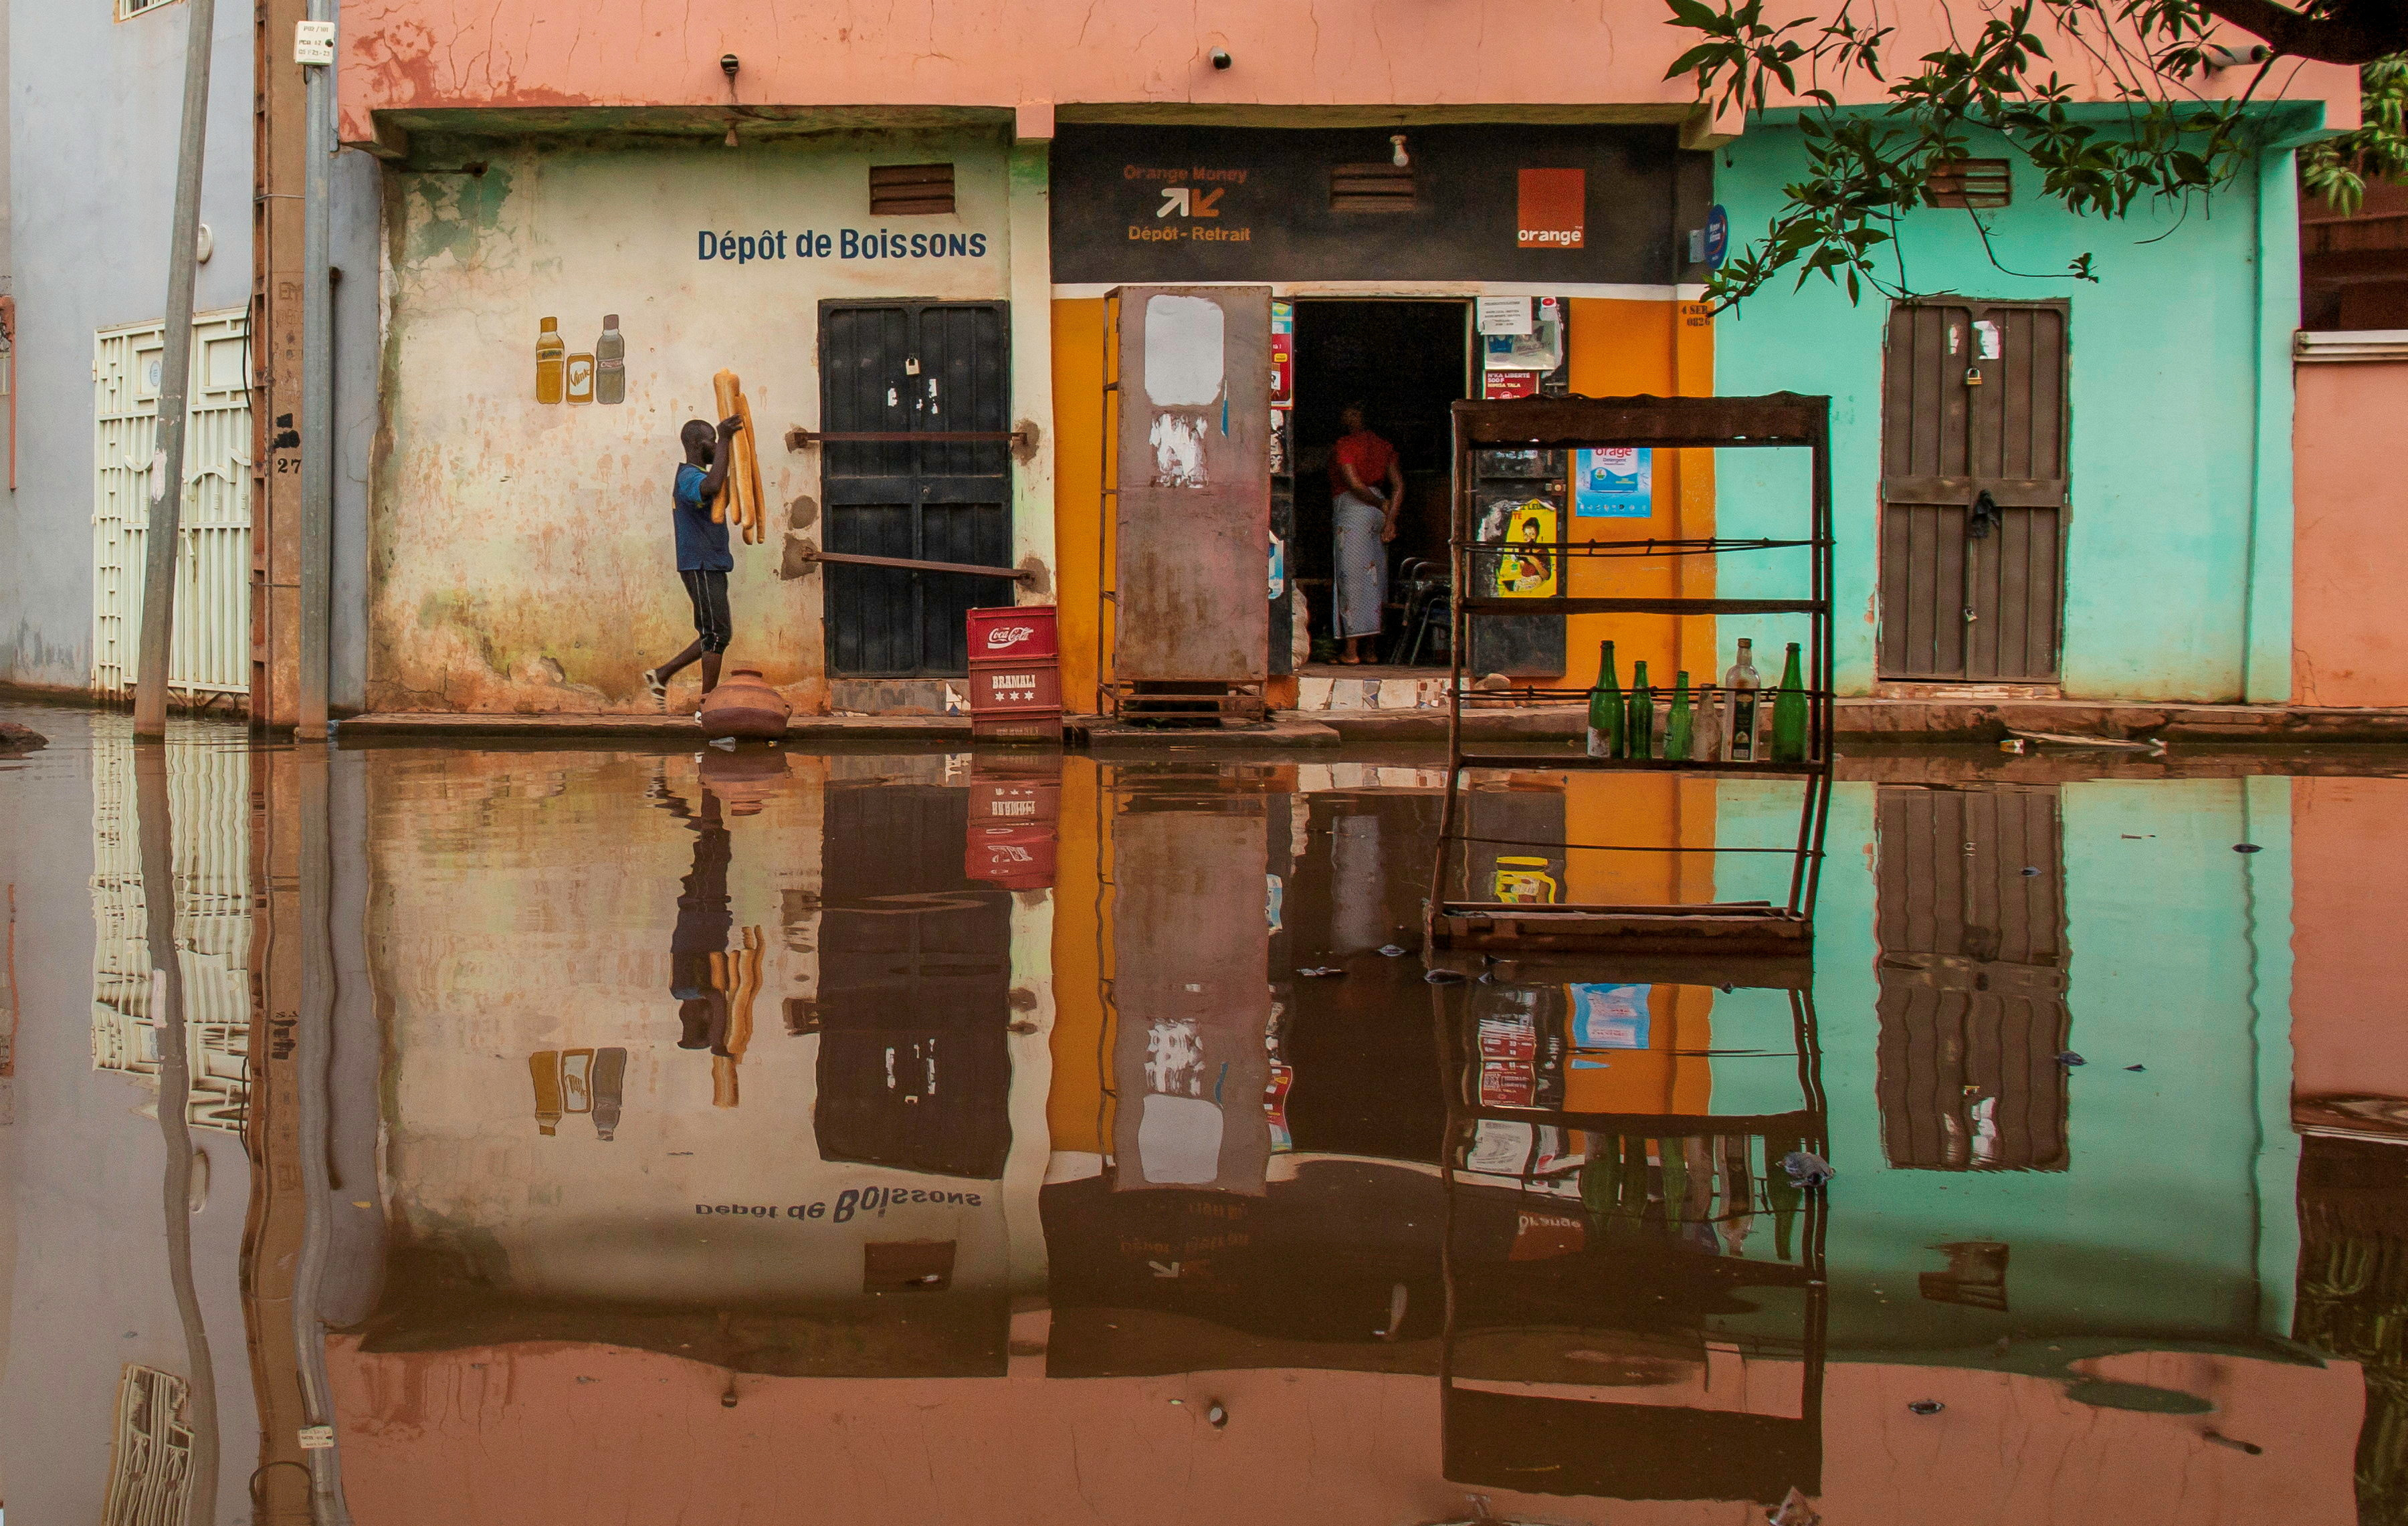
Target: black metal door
[[1973, 491], [912, 367]]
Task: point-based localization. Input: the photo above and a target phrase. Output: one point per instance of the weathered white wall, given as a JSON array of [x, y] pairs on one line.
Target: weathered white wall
[[93, 105], [520, 553]]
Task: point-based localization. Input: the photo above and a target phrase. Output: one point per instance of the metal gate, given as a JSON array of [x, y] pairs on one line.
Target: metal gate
[[1972, 978], [210, 653], [1973, 491], [913, 368]]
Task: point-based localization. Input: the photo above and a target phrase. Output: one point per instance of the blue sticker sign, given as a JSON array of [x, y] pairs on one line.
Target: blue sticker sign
[[1718, 235], [1614, 483]]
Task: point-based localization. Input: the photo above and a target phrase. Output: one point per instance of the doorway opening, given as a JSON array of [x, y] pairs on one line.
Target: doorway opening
[[1405, 362]]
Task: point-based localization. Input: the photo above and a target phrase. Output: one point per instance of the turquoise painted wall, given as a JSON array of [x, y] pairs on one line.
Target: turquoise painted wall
[[2173, 1223], [2180, 470]]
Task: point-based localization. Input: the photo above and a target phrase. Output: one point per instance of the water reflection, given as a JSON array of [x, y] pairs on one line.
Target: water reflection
[[1008, 1138]]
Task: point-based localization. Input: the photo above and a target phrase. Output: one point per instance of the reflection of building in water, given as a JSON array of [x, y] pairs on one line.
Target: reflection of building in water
[[150, 1452], [208, 785], [2354, 1297]]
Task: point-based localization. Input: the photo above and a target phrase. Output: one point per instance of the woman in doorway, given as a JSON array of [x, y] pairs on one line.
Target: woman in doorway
[[1366, 489]]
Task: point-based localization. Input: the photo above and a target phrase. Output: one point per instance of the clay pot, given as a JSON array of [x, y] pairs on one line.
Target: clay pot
[[743, 781], [745, 706]]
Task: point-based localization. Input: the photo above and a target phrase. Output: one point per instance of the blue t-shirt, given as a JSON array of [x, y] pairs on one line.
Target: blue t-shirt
[[701, 546]]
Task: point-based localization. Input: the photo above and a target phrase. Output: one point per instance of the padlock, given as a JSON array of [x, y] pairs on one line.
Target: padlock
[[1972, 376]]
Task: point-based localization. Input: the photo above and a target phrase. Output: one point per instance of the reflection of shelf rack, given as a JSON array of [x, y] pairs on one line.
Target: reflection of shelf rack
[[1569, 425], [1594, 1366]]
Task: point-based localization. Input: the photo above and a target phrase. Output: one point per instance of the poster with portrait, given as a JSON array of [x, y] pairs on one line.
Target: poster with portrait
[[1526, 568]]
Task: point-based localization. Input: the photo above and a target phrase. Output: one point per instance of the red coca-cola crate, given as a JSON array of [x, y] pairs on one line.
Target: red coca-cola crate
[[1040, 726], [1009, 858], [1023, 687], [1014, 634]]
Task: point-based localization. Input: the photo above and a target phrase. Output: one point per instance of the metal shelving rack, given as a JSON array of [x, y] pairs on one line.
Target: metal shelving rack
[[1731, 928]]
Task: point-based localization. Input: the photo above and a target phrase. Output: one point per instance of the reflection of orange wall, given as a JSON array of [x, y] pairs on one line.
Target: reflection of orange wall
[[2347, 1036], [1674, 1074], [1075, 1101], [557, 1432], [2349, 633]]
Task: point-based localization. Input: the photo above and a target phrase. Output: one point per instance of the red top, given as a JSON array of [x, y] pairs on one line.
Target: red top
[[1370, 455]]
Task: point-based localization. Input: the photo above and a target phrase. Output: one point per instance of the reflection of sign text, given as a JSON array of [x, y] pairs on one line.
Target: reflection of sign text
[[851, 1202]]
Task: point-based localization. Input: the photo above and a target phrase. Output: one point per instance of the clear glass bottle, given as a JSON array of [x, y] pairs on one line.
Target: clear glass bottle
[[1638, 730], [550, 353], [1738, 716], [1789, 712], [611, 362], [1605, 707], [1680, 723]]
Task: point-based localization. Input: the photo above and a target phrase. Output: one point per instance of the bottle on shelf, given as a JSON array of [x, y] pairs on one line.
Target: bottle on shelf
[[1638, 730], [1605, 707], [1738, 714], [1789, 712], [550, 353], [1680, 723], [611, 362]]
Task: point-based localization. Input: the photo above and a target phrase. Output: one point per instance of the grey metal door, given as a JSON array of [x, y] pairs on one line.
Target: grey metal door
[[1973, 491], [915, 367], [1972, 978]]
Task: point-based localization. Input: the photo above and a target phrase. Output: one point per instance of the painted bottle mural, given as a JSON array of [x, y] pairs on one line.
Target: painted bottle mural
[[580, 377], [550, 355], [611, 362]]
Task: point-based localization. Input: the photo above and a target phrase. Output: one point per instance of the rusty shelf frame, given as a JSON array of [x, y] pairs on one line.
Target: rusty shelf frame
[[967, 569], [1741, 929], [799, 438]]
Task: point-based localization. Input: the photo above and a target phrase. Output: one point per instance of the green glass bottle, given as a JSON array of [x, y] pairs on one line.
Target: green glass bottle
[[1638, 730], [1680, 723], [1605, 707], [1789, 712]]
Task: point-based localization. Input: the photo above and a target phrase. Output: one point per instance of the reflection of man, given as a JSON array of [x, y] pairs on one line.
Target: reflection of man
[[704, 920], [1368, 489]]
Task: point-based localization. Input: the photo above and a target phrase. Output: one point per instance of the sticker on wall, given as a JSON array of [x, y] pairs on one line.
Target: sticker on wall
[[1614, 483], [1529, 574], [1504, 315], [1504, 386], [1554, 209]]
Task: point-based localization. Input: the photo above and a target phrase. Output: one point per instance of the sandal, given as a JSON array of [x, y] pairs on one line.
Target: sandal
[[658, 688]]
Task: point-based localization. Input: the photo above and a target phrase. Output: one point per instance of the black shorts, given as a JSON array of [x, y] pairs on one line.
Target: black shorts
[[709, 592]]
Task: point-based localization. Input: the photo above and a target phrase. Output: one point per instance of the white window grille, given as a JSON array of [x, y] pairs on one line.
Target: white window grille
[[150, 1455], [128, 9], [209, 793], [210, 653]]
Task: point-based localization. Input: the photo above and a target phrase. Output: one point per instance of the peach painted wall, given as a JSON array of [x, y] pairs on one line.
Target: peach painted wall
[[2349, 624], [403, 54], [2348, 1034], [606, 1436]]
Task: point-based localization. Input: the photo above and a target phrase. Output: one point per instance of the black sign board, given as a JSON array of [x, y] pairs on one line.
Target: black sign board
[[1494, 203]]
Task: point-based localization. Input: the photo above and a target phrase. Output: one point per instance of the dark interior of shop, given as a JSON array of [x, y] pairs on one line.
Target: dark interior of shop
[[1405, 362]]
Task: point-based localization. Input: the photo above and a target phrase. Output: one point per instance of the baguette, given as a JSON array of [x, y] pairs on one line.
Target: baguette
[[748, 462], [723, 389]]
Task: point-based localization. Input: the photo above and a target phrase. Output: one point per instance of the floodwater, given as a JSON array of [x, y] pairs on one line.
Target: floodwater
[[624, 1136]]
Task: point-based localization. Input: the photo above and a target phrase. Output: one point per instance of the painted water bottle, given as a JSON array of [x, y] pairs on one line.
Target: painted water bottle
[[550, 354], [1789, 712], [1680, 723], [1605, 707], [611, 362], [1638, 730], [1739, 715]]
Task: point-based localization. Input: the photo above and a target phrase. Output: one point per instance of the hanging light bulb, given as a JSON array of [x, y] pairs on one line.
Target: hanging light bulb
[[1401, 158]]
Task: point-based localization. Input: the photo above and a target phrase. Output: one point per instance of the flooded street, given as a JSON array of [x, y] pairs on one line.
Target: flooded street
[[636, 1137]]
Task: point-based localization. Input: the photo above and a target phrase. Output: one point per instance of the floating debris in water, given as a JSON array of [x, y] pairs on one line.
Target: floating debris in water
[[2238, 1446], [1807, 1169], [1316, 971], [1445, 977], [2069, 1058], [1795, 1509], [2247, 847], [2030, 870], [1927, 1406], [1393, 950], [2136, 1067], [1216, 1417]]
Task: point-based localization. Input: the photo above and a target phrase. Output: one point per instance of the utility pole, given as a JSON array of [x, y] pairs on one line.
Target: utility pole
[[280, 129], [317, 395], [175, 385]]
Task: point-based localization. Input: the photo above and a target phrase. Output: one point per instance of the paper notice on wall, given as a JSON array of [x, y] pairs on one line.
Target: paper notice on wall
[[1184, 355], [1504, 315], [1617, 483], [1989, 333]]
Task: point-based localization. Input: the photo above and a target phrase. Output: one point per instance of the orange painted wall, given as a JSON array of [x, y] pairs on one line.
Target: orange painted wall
[[1078, 491], [575, 1433], [2349, 624], [2349, 1033], [1076, 1105]]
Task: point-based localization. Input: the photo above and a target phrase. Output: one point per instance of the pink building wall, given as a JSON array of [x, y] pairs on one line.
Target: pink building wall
[[607, 1436], [2349, 622], [520, 55]]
